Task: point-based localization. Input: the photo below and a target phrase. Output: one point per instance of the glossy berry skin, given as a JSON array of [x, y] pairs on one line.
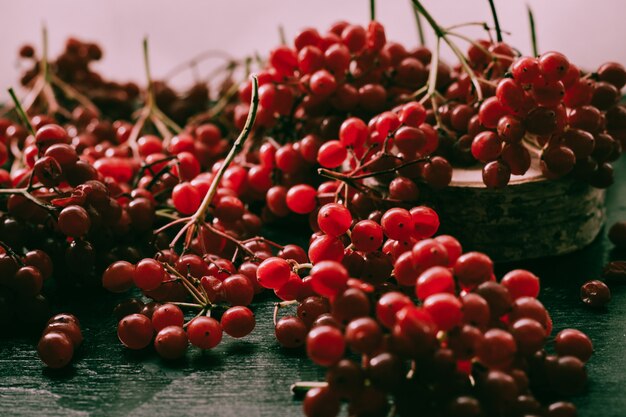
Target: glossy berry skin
[[301, 199], [473, 268], [69, 328], [321, 402], [363, 335], [186, 198], [595, 294], [572, 342], [238, 321], [367, 236], [526, 70], [148, 274], [326, 248], [167, 315], [171, 342], [238, 290], [135, 331], [445, 310], [425, 222], [434, 280], [553, 65], [74, 221], [498, 349], [496, 174], [290, 332], [325, 345], [55, 349], [328, 278], [486, 146], [397, 223], [118, 277], [334, 219], [273, 273], [204, 332], [521, 283], [332, 154], [427, 253], [388, 305]]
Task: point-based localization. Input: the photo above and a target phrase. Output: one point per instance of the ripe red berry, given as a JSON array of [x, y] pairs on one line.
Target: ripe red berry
[[521, 283], [367, 236], [118, 277], [55, 349], [204, 332], [301, 198], [445, 310], [328, 278], [171, 342], [238, 321], [273, 273], [167, 315], [397, 223], [135, 331], [334, 219], [148, 274], [325, 345], [434, 280]]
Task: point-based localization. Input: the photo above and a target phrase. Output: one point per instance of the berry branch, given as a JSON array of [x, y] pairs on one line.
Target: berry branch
[[496, 21], [442, 34], [533, 32], [196, 221], [151, 111]]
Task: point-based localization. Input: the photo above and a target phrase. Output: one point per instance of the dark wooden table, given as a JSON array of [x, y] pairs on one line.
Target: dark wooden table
[[251, 377]]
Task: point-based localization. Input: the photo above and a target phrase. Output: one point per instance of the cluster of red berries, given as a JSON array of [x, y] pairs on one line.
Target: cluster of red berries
[[60, 339], [114, 99], [393, 310], [345, 99], [425, 327], [164, 325]]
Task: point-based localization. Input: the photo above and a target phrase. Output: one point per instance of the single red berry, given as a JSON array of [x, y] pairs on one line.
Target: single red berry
[[204, 332], [238, 321], [171, 342]]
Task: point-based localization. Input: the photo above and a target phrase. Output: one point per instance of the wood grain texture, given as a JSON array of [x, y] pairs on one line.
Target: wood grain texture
[[251, 377]]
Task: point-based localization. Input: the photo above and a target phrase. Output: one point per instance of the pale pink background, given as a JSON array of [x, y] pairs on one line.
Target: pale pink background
[[589, 32]]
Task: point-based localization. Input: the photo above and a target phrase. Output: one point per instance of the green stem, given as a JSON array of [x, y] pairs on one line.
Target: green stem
[[254, 104], [281, 35], [533, 33], [301, 388], [496, 22], [420, 28], [20, 112], [434, 69], [146, 63], [44, 59], [372, 10], [457, 52]]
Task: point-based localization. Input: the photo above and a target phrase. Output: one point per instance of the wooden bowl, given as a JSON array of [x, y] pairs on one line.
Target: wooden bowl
[[530, 218]]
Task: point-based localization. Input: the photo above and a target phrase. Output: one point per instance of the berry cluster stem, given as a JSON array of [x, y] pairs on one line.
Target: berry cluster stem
[[496, 21], [533, 32]]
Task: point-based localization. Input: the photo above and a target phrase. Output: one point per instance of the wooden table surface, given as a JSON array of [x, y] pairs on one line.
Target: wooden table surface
[[251, 377]]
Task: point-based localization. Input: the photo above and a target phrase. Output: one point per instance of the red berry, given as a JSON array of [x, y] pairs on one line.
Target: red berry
[[148, 274], [135, 331], [167, 315], [273, 273], [334, 219], [171, 342], [55, 349], [325, 345], [238, 321], [521, 283], [204, 332]]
